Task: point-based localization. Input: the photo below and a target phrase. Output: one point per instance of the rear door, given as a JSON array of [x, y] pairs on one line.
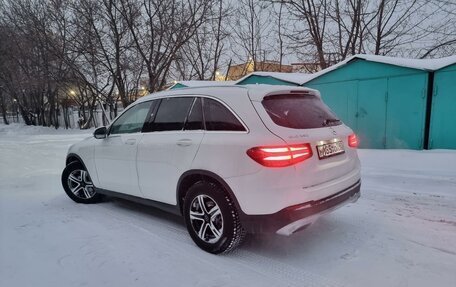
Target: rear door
[[224, 140], [168, 146], [300, 118]]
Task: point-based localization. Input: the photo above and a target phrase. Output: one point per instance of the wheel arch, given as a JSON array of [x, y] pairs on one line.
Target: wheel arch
[[74, 157], [188, 178]]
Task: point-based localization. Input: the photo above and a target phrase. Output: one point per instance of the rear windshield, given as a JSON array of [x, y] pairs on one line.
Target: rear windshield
[[299, 111]]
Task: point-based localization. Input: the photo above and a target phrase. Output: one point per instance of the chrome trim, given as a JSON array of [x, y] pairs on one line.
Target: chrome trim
[[296, 225], [209, 97]]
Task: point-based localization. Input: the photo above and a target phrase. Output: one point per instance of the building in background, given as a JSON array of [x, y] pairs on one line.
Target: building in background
[[305, 67], [235, 72]]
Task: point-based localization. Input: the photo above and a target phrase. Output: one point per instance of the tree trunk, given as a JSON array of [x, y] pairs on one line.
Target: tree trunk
[[3, 108], [25, 116]]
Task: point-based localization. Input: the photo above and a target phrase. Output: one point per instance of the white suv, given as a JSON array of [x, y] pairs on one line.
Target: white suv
[[231, 160]]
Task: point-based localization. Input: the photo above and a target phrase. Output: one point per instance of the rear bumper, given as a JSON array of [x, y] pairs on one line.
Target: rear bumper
[[293, 218]]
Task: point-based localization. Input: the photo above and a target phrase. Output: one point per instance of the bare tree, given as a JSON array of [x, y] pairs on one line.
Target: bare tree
[[159, 30], [348, 17], [112, 34], [200, 57], [37, 71], [442, 34], [250, 31], [312, 16], [280, 33], [5, 78], [331, 30]]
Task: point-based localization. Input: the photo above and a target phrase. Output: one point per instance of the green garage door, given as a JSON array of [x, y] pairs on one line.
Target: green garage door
[[406, 111], [371, 113], [443, 115], [341, 98]]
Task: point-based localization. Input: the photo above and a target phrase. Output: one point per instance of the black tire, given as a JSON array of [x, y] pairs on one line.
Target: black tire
[[86, 192], [232, 233]]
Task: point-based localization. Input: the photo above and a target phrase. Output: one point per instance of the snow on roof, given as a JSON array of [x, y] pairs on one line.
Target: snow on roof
[[422, 64], [201, 83], [302, 78], [295, 78], [419, 64]]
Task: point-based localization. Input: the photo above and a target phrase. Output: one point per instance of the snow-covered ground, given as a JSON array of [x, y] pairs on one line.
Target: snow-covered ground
[[402, 231]]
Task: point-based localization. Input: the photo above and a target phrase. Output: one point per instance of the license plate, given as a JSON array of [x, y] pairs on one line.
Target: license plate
[[330, 149]]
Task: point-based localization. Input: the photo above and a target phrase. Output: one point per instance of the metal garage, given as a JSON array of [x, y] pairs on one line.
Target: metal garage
[[383, 99], [442, 132]]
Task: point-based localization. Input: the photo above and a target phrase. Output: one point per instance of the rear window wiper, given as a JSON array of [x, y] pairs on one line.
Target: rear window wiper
[[328, 122], [274, 114]]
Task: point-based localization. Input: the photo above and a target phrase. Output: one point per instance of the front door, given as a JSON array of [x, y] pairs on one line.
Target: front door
[[115, 156]]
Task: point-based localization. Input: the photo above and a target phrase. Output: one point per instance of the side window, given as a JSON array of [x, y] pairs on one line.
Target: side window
[[132, 120], [171, 114], [195, 117], [219, 118]]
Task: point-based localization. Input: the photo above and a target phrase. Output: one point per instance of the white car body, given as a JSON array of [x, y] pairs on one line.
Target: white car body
[[152, 165]]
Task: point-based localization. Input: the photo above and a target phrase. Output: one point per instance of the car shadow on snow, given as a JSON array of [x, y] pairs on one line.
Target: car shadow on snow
[[141, 210], [330, 233]]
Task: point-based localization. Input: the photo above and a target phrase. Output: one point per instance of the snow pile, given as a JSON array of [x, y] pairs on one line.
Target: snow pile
[[400, 233]]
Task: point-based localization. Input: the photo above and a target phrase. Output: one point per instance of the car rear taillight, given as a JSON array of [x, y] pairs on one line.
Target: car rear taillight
[[280, 156], [353, 141]]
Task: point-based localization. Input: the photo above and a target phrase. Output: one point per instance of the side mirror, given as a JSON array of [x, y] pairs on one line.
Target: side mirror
[[100, 133]]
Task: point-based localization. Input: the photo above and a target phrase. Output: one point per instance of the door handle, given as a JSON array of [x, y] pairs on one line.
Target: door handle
[[184, 142], [130, 141]]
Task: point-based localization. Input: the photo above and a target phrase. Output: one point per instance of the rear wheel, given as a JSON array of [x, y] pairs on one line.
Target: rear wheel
[[78, 185], [212, 219]]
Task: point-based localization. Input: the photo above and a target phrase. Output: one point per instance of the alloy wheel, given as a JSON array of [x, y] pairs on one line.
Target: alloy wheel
[[206, 218], [80, 184]]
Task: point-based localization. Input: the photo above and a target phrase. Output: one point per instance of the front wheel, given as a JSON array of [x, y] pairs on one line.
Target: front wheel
[[212, 219], [78, 185]]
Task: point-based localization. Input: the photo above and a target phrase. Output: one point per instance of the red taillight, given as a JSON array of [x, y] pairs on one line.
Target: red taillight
[[280, 156], [353, 141]]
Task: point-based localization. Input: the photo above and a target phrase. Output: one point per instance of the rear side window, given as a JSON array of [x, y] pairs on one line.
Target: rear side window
[[171, 114], [219, 118], [299, 111]]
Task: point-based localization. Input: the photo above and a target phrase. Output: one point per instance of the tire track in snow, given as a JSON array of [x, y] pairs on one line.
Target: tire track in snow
[[292, 275], [269, 268]]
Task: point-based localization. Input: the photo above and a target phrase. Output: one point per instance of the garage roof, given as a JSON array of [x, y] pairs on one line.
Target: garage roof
[[419, 64], [295, 78]]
